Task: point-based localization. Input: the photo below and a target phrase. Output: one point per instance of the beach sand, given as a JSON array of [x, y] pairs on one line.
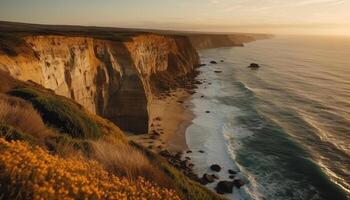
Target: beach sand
[[170, 116]]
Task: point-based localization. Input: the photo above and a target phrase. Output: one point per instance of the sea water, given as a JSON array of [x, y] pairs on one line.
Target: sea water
[[285, 127]]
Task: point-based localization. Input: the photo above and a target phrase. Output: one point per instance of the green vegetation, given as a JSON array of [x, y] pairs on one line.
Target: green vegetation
[[65, 145], [59, 113], [11, 133], [187, 188]]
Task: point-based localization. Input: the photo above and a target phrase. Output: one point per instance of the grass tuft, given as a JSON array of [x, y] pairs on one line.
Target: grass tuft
[[124, 160], [10, 133], [19, 120]]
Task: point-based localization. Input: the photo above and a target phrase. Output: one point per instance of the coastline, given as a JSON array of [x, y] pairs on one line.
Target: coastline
[[169, 118]]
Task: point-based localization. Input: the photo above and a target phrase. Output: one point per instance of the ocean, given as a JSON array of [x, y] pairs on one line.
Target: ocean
[[285, 128]]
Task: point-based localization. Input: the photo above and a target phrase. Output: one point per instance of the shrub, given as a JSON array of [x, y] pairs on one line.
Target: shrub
[[124, 160], [66, 146], [11, 133], [108, 129], [60, 113], [19, 120], [32, 173]]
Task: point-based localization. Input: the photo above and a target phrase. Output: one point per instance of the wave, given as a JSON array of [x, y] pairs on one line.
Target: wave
[[290, 133], [258, 140]]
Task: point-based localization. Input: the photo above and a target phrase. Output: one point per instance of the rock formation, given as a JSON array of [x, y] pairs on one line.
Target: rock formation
[[112, 72], [114, 79], [254, 66]]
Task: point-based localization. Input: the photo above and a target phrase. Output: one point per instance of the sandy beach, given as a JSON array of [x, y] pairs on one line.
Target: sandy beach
[[170, 116]]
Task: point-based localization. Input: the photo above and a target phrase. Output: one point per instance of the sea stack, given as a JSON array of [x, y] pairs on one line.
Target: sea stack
[[254, 66]]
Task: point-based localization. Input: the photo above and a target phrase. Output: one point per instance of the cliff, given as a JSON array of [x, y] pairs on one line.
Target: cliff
[[112, 72], [114, 79], [207, 41]]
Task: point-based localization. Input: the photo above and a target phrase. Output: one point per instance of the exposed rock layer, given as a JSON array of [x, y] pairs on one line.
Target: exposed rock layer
[[112, 72], [113, 79]]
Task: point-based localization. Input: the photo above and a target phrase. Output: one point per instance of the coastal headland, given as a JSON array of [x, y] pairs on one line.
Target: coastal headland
[[136, 83]]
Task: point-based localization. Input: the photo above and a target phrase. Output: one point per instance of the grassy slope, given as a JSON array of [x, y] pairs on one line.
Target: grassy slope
[[59, 113], [72, 112]]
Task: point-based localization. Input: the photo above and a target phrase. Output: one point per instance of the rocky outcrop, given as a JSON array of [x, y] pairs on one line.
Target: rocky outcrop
[[254, 66], [215, 167], [114, 79]]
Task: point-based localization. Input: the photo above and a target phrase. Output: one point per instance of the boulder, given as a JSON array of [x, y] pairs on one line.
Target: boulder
[[215, 167], [178, 155], [254, 66], [207, 179], [201, 151], [224, 187], [185, 164], [197, 82], [230, 171], [238, 183], [213, 62], [215, 176]]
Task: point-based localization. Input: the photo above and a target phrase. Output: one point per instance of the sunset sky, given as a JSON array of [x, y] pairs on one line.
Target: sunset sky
[[268, 16]]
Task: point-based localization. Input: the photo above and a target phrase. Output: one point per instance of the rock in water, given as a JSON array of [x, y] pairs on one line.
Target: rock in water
[[254, 66], [224, 187], [230, 171], [213, 62], [238, 183], [215, 167]]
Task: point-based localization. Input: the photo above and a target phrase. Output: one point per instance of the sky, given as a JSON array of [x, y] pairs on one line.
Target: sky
[[318, 17]]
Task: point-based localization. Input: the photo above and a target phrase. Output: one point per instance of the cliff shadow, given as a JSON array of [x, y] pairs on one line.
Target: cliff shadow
[[124, 99]]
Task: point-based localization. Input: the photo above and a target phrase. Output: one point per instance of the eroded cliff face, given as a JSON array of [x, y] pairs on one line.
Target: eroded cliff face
[[116, 80], [207, 41]]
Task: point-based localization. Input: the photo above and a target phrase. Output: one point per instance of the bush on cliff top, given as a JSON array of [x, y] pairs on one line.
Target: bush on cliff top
[[63, 115]]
